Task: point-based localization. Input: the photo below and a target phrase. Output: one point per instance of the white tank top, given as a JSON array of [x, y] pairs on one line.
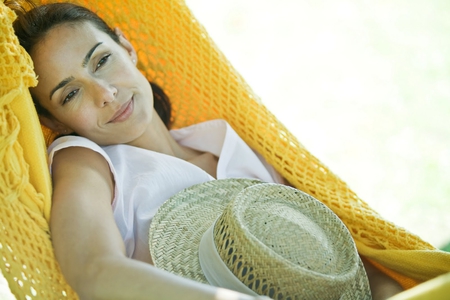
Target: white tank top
[[145, 179]]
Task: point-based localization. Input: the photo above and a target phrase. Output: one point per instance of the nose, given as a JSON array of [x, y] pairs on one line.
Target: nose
[[104, 93]]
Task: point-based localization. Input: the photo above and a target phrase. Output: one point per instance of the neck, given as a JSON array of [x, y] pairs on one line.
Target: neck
[[158, 138]]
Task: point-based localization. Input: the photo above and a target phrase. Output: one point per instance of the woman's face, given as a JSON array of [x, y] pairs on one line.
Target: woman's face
[[90, 85]]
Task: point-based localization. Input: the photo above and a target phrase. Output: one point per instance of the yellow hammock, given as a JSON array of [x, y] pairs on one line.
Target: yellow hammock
[[176, 52]]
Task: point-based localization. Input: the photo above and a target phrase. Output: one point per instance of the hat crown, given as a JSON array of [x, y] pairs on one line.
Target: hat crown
[[266, 228], [272, 239]]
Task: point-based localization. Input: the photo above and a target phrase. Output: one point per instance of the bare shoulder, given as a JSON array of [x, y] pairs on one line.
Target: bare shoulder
[[76, 159], [78, 156], [78, 167]]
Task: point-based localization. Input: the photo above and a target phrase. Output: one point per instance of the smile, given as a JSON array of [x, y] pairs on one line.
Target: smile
[[124, 112]]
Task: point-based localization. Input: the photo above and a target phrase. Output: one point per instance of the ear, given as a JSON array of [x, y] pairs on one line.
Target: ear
[[126, 44], [54, 125]]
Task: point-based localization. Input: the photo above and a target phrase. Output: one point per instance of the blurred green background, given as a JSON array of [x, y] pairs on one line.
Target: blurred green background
[[364, 85]]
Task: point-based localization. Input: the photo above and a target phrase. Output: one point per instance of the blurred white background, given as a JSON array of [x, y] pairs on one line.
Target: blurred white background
[[364, 85]]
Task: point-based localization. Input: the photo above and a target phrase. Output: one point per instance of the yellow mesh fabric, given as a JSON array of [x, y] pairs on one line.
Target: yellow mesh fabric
[[175, 52], [5, 292], [435, 289], [27, 260]]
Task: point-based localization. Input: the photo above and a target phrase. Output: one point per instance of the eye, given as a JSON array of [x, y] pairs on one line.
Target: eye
[[69, 96], [102, 61]]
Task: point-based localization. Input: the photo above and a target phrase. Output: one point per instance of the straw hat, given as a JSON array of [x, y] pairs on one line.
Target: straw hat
[[257, 238]]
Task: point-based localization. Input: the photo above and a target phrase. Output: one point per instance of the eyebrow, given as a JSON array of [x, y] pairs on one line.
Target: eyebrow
[[84, 64]]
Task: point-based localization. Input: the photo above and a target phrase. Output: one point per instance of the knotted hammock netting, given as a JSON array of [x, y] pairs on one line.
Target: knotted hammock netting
[[175, 52]]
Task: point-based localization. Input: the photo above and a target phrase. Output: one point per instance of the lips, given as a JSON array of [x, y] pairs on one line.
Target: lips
[[124, 112]]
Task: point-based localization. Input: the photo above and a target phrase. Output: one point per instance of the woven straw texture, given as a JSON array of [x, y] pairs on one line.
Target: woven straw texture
[[175, 52], [187, 263], [310, 250], [325, 250]]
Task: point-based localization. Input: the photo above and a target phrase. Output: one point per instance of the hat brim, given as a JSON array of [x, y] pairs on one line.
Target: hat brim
[[177, 228], [183, 219]]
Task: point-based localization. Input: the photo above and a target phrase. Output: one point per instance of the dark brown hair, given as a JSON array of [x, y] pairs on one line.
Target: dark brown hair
[[33, 23]]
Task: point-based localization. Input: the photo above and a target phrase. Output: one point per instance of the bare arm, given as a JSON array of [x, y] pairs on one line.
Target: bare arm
[[88, 245]]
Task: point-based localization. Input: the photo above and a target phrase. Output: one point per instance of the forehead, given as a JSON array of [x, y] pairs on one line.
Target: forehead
[[67, 38]]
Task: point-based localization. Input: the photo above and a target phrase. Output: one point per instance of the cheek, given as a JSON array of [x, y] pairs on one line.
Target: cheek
[[130, 76], [81, 120], [126, 71]]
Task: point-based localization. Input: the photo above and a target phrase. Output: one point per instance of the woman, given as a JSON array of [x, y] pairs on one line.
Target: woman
[[89, 86]]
